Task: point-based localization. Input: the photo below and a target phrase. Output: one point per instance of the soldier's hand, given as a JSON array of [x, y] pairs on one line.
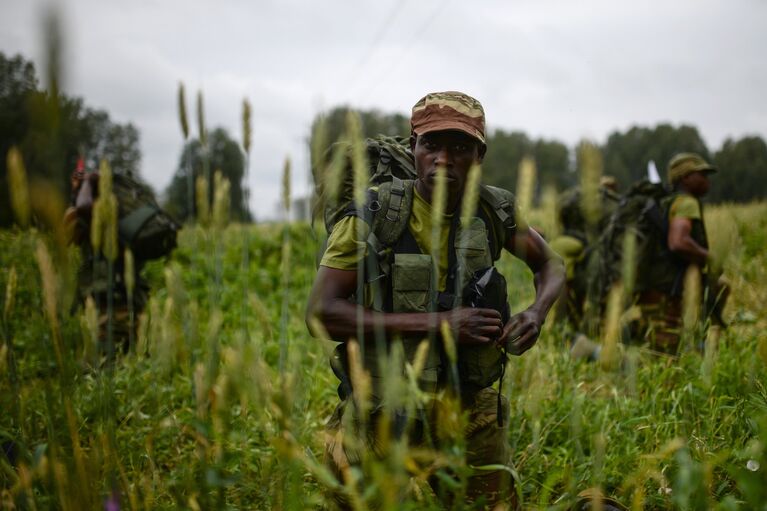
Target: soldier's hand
[[475, 326], [522, 331]]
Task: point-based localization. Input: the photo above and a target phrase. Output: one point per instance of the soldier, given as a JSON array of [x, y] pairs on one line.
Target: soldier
[[447, 131], [678, 242], [93, 278], [661, 302], [577, 235]]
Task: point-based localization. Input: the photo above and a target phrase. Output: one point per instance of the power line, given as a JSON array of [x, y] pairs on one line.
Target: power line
[[354, 71]]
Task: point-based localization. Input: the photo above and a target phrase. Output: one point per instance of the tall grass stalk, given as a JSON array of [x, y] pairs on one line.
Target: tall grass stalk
[[184, 122], [285, 267], [590, 167], [18, 188]]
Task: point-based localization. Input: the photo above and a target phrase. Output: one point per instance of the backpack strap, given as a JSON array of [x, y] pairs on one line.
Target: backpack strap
[[395, 199], [503, 218], [130, 225]]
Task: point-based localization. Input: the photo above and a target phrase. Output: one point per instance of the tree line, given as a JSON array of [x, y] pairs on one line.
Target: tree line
[[626, 155], [53, 130]]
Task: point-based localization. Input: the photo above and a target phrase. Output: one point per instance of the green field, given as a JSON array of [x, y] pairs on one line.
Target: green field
[[223, 400]]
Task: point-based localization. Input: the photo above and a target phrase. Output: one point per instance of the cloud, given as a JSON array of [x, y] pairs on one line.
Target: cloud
[[553, 68]]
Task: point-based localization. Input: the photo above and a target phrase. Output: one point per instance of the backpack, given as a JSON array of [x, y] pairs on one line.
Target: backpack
[[643, 212], [143, 226]]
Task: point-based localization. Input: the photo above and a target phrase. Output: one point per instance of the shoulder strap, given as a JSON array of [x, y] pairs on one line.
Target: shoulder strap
[[501, 205], [395, 200]]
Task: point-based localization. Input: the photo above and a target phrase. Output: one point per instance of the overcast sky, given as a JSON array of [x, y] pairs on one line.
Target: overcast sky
[[558, 69]]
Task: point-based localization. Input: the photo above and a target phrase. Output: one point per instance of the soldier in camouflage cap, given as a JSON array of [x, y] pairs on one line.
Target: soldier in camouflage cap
[[447, 132]]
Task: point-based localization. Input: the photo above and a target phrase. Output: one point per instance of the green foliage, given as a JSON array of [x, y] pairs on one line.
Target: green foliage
[[200, 416], [743, 171], [626, 155], [222, 153], [53, 131]]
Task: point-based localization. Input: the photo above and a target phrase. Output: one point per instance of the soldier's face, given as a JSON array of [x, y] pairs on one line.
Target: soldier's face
[[455, 151], [697, 183]]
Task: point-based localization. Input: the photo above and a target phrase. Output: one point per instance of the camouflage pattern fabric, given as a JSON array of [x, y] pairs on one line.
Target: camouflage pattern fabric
[[660, 323], [486, 444], [450, 110]]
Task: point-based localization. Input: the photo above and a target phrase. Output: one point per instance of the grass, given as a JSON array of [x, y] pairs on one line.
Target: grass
[[200, 417]]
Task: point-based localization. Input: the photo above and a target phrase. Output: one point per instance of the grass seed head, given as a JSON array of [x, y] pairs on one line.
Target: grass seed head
[[203, 205], [359, 158], [130, 273], [691, 299], [91, 320], [590, 163], [449, 342], [182, 117], [471, 194], [201, 129], [526, 185], [18, 187], [286, 187], [221, 202], [246, 125]]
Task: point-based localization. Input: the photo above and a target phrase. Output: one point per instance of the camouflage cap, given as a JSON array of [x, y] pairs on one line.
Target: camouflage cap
[[449, 110], [687, 163]]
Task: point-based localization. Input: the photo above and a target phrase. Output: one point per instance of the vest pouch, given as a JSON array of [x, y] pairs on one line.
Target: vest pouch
[[479, 366], [472, 248], [411, 283]]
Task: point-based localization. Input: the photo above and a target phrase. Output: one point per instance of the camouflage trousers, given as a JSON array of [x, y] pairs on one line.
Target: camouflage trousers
[[660, 323], [485, 442]]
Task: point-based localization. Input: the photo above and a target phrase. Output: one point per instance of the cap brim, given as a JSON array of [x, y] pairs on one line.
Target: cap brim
[[450, 125]]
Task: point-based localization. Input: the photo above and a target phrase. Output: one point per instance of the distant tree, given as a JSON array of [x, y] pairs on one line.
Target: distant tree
[[224, 154], [626, 155], [54, 131], [504, 152], [742, 172]]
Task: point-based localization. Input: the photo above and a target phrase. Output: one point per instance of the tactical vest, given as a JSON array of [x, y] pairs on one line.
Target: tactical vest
[[398, 277]]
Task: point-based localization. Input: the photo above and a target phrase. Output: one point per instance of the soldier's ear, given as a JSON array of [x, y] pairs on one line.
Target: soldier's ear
[[413, 137], [481, 150]]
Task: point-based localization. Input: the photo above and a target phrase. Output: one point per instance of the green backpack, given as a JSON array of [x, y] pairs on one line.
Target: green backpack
[[143, 226], [642, 212]]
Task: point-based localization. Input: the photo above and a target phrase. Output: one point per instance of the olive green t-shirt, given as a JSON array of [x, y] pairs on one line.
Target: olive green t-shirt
[[685, 206], [346, 244]]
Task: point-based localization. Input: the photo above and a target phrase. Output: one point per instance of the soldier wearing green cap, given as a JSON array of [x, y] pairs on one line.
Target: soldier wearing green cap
[[416, 293], [661, 303]]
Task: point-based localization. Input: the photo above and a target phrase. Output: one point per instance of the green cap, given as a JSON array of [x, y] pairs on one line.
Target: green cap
[[687, 163], [450, 110]]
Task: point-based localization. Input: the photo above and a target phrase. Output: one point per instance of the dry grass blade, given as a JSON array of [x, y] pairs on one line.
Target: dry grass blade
[[10, 293], [18, 188], [182, 117], [360, 378], [50, 294]]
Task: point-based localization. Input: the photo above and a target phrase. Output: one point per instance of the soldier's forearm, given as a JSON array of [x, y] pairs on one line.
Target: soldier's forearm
[[549, 281], [341, 319]]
